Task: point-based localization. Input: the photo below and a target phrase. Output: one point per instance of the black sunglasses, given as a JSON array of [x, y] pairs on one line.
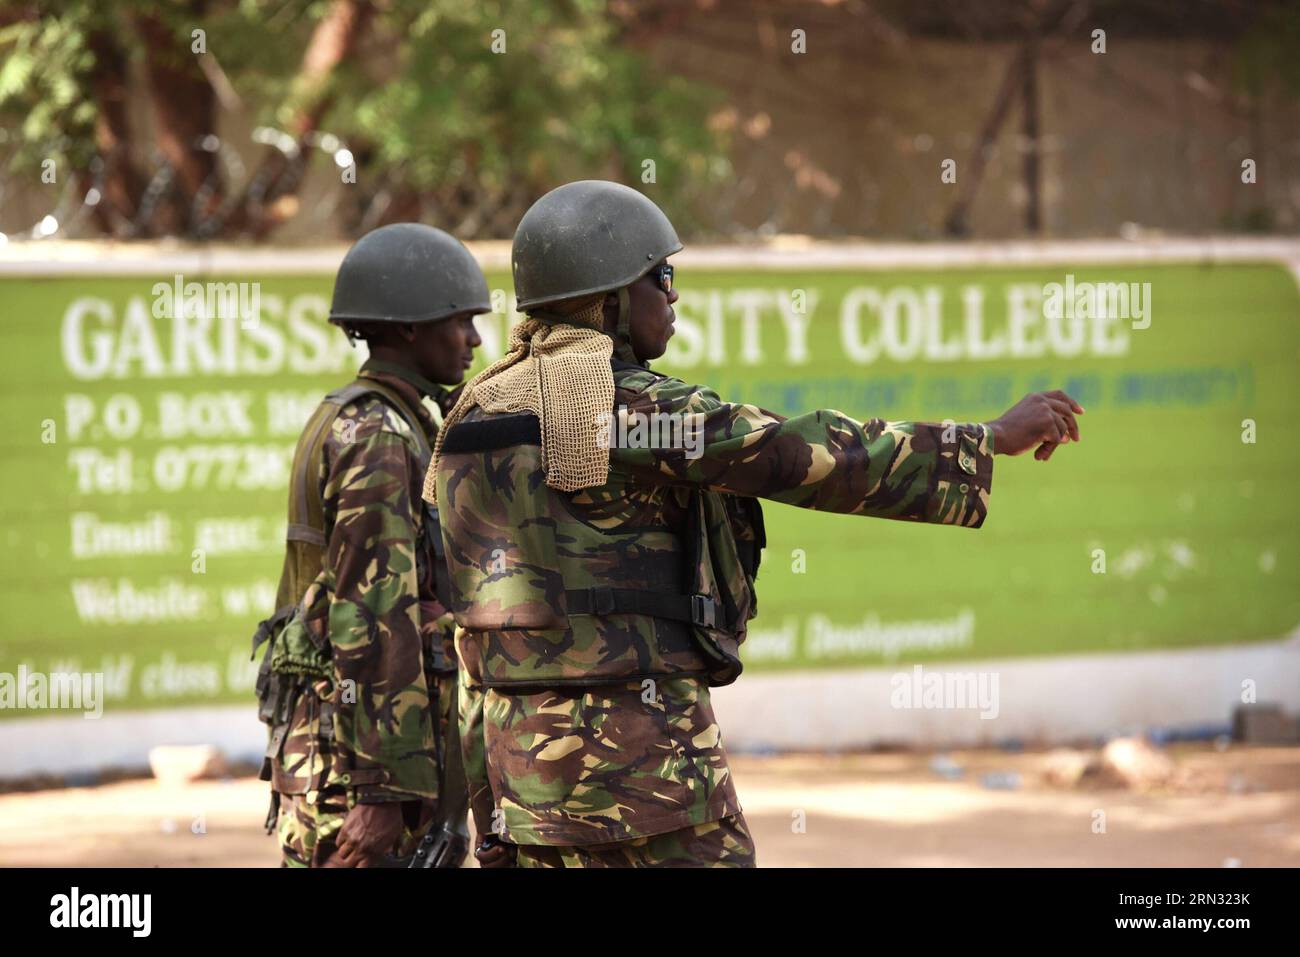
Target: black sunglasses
[[663, 276]]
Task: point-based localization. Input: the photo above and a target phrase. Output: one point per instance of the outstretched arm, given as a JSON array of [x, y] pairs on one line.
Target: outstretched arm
[[820, 460]]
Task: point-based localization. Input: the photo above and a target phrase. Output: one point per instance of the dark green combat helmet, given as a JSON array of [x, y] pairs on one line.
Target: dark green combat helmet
[[587, 237], [407, 272]]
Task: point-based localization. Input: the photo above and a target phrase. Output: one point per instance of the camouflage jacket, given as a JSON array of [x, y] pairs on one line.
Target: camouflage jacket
[[370, 728], [615, 761]]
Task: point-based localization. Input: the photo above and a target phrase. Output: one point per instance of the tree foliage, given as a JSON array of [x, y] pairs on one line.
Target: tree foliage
[[458, 114]]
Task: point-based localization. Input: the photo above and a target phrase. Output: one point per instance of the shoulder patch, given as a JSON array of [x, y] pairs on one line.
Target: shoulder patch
[[368, 415], [394, 421], [634, 378]]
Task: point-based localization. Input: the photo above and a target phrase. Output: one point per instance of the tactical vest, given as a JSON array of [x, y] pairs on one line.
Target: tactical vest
[[294, 653], [550, 596]]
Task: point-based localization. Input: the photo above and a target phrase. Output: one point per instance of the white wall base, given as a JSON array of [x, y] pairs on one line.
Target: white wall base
[[64, 744], [1039, 699], [1051, 700]]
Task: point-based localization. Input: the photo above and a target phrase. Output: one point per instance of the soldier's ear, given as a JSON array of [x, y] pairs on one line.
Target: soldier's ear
[[408, 331]]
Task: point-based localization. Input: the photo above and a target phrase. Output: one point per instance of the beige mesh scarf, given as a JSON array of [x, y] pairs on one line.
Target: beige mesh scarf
[[561, 374]]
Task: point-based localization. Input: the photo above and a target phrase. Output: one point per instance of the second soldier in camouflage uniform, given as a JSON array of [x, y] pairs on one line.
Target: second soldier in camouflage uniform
[[595, 615], [363, 664]]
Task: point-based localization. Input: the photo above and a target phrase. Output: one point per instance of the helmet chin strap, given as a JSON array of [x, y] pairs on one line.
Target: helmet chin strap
[[623, 330], [622, 334]]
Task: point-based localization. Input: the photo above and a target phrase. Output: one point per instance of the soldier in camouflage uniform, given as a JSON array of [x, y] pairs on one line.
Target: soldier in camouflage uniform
[[593, 618], [364, 661]]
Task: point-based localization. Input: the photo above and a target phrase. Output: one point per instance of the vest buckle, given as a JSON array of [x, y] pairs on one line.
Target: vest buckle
[[704, 611], [602, 600]]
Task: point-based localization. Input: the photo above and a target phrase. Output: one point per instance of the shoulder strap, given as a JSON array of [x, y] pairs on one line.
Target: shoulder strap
[[306, 523], [306, 511], [497, 432], [365, 386]]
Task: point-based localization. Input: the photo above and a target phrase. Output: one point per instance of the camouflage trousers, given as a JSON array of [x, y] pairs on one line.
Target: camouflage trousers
[[308, 829], [722, 843]]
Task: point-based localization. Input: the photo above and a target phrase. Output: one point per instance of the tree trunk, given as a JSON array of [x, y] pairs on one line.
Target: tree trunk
[[120, 182], [185, 112], [957, 222], [271, 196], [1033, 185], [1064, 15]]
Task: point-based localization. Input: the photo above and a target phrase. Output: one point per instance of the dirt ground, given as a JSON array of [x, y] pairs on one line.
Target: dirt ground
[[1241, 808]]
